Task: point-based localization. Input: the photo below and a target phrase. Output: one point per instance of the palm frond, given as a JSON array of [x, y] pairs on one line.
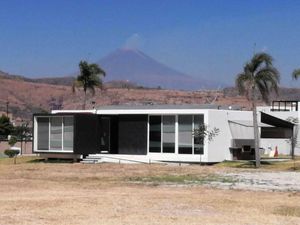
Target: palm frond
[[243, 83], [89, 77], [264, 90], [260, 60], [267, 80], [96, 69], [296, 74]]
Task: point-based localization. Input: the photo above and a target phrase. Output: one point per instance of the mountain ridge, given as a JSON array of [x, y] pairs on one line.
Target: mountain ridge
[[133, 66], [136, 66]]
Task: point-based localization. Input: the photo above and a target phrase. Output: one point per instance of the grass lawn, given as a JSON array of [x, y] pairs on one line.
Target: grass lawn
[[34, 192]]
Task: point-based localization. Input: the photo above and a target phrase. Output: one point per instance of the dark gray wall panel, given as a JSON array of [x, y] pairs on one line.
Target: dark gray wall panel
[[133, 134], [86, 138], [43, 133]]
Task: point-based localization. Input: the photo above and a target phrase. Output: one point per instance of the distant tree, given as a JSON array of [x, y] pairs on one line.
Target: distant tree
[[89, 78], [259, 78], [22, 132], [202, 131], [296, 74], [12, 153], [6, 126]]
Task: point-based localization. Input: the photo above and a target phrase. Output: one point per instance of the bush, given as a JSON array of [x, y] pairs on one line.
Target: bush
[[11, 152], [12, 141]]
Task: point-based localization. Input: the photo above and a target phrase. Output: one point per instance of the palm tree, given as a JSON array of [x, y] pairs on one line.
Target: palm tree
[[90, 77], [259, 78]]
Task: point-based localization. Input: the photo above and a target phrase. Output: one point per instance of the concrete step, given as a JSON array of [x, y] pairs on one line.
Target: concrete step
[[90, 160]]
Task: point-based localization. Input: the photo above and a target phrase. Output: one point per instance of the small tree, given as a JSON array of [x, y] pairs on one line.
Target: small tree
[[89, 78], [203, 132], [22, 133], [12, 153]]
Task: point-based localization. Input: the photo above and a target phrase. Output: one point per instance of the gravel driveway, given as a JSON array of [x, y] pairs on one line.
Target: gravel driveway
[[266, 181]]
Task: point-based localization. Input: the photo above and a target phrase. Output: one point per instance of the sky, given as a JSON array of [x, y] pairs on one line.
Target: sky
[[210, 39]]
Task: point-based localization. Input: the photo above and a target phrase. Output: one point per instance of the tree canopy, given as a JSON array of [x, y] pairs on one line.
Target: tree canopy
[[89, 78], [6, 126]]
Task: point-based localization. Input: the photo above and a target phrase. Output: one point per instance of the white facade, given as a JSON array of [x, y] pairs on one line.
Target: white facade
[[232, 124], [216, 150], [283, 145]]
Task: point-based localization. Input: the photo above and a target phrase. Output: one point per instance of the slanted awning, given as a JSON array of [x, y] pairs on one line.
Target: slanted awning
[[282, 128], [243, 129], [274, 121], [271, 127]]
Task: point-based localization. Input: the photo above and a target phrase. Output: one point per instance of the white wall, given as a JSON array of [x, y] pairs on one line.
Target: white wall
[[283, 145], [218, 148]]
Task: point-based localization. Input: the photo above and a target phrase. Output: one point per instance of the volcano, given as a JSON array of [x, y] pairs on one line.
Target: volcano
[[135, 66]]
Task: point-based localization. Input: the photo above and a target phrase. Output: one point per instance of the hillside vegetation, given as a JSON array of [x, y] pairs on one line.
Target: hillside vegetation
[[26, 97]]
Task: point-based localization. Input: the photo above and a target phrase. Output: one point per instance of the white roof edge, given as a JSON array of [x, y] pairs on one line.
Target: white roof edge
[[158, 111], [73, 111], [144, 111]]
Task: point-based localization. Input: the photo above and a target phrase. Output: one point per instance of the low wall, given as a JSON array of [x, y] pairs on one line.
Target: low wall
[[27, 148]]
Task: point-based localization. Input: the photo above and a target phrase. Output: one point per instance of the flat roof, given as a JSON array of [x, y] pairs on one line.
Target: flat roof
[[182, 106]]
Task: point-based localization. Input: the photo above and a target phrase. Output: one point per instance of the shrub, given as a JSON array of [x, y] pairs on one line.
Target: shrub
[[12, 141], [11, 152]]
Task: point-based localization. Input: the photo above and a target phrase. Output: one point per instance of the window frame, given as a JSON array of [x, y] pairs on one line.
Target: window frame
[[50, 150], [176, 140]]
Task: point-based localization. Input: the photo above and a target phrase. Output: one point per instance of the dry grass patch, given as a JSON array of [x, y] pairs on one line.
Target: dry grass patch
[[63, 193], [188, 179], [288, 211], [288, 165]]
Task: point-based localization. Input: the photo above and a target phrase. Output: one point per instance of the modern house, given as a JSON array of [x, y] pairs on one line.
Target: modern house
[[154, 133]]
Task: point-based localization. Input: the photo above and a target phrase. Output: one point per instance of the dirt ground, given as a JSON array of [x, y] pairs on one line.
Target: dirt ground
[[63, 193]]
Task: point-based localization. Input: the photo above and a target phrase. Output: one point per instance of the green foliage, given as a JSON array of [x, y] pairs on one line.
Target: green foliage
[[202, 132], [22, 131], [296, 74], [11, 152], [89, 78], [6, 126], [12, 141], [259, 76]]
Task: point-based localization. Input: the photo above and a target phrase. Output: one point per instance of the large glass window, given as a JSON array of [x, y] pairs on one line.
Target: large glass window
[[185, 134], [68, 133], [162, 131], [43, 133], [198, 142], [56, 133], [169, 134], [155, 134]]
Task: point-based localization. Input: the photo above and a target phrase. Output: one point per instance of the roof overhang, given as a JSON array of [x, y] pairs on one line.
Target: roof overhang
[[275, 121]]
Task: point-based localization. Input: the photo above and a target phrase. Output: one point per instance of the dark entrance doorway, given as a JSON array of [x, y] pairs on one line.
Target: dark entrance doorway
[[105, 135]]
